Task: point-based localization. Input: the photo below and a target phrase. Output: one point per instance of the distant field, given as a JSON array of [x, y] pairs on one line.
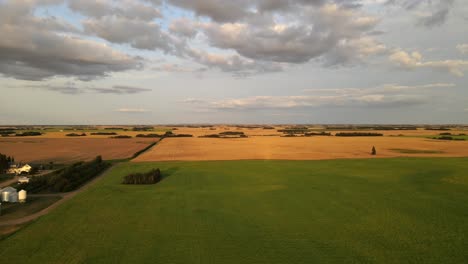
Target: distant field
[[301, 148], [66, 150], [403, 210]]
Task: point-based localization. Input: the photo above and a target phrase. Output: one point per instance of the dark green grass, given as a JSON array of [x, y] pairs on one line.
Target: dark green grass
[[417, 151], [12, 211], [337, 211]]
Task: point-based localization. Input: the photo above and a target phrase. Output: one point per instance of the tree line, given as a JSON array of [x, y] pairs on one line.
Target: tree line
[[5, 162], [67, 179]]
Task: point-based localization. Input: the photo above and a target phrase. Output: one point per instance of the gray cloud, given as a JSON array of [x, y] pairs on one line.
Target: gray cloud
[[139, 34], [132, 110], [33, 48], [308, 33], [131, 9], [74, 88], [389, 95], [120, 89], [435, 12], [415, 60]]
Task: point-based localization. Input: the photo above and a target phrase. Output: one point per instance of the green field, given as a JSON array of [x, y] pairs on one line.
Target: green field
[[339, 211]]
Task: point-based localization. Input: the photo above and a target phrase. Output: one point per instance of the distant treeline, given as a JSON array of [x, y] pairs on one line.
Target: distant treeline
[[317, 134], [370, 127], [149, 135], [5, 133], [150, 177], [437, 128], [170, 134], [122, 136], [449, 138], [293, 130], [76, 135], [227, 134], [67, 179], [103, 133], [145, 128], [358, 134], [28, 134]]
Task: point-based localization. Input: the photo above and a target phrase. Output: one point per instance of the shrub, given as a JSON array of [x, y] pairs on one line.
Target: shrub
[[151, 177], [374, 152], [103, 133]]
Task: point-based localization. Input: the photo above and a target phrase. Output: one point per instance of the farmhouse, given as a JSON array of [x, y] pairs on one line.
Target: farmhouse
[[18, 170]]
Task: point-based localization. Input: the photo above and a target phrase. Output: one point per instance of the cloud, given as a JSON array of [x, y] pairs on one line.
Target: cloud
[[35, 48], [305, 101], [463, 49], [430, 13], [120, 89], [73, 88], [312, 32], [132, 110], [124, 8], [139, 34], [388, 95], [414, 60], [234, 64]]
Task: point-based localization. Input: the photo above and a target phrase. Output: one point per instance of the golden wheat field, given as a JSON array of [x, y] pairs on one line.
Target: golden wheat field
[[300, 148], [65, 150]]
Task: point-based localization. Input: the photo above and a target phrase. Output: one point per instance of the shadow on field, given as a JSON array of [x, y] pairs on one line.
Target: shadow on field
[[168, 172]]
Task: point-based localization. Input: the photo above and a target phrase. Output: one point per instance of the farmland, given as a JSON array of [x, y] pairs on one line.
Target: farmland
[[300, 148], [403, 210], [67, 150]]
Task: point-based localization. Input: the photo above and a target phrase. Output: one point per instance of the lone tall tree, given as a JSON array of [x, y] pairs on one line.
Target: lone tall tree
[[374, 152]]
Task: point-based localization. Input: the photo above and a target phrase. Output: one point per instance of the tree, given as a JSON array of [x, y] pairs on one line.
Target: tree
[[374, 152]]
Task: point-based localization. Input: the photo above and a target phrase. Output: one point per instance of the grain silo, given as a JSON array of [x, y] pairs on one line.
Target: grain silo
[[5, 196], [10, 195], [22, 196]]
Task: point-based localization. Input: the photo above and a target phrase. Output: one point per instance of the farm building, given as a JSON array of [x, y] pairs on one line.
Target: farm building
[[23, 179], [9, 194], [18, 170]]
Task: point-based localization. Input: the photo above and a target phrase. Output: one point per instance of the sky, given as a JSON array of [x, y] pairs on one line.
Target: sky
[[223, 61]]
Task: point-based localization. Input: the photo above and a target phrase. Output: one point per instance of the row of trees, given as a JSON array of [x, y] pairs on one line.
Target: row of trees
[[67, 179], [150, 177]]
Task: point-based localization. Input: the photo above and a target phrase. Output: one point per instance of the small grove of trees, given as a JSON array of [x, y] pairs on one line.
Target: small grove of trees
[[150, 177], [358, 134], [67, 179], [5, 162]]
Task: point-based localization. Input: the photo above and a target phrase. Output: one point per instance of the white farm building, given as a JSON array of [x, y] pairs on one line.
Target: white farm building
[[9, 194]]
